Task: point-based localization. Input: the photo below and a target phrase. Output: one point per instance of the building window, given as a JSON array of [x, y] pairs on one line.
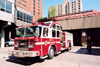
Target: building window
[[24, 17], [6, 6], [38, 13], [24, 1], [24, 5], [27, 18], [30, 19], [33, 14], [33, 7], [21, 16], [38, 3], [33, 11], [74, 9], [19, 3], [38, 0], [78, 5], [2, 5], [38, 7], [18, 15], [33, 0], [74, 6]]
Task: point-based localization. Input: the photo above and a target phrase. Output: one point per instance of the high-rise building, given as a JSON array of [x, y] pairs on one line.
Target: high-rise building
[[69, 7], [37, 9]]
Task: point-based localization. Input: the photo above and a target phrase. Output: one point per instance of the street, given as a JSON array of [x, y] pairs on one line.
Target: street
[[77, 57]]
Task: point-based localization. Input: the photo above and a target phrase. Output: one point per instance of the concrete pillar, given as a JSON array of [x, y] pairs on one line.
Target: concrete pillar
[[2, 38]]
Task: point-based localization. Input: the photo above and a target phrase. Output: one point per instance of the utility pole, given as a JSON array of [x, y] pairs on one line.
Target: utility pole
[[15, 13]]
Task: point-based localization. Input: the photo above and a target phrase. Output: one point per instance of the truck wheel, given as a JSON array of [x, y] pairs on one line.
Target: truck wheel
[[51, 53], [55, 53], [6, 45], [69, 47]]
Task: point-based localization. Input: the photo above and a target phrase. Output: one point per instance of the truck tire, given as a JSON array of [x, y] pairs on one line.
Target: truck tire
[[69, 47], [51, 53], [55, 54], [6, 45]]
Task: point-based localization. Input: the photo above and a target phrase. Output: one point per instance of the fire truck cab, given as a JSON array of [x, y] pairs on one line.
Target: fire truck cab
[[44, 39]]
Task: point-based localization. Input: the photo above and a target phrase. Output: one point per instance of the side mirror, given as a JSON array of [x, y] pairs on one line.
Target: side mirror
[[37, 31]]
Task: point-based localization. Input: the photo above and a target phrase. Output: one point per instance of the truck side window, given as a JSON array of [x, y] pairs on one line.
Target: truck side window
[[58, 27], [53, 33], [54, 26], [45, 32], [58, 34]]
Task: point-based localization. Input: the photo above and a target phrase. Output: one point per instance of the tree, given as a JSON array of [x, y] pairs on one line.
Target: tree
[[42, 19], [52, 11]]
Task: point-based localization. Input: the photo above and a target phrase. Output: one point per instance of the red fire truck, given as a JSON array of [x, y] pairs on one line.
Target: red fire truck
[[44, 39]]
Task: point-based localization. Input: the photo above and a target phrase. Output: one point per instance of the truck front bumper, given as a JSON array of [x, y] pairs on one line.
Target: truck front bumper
[[20, 53]]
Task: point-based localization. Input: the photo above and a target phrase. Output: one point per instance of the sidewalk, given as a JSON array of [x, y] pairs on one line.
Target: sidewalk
[[4, 52]]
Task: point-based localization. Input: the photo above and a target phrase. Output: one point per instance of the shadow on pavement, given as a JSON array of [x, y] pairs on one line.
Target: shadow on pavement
[[25, 61], [95, 51]]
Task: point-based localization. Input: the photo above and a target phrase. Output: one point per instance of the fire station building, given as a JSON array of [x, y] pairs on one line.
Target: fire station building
[[82, 25]]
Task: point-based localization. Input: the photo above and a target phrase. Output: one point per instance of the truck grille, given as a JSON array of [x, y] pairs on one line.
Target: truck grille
[[23, 44]]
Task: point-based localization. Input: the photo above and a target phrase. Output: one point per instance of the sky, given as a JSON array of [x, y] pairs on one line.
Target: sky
[[86, 5]]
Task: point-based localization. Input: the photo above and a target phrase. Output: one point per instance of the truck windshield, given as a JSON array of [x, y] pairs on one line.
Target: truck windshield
[[28, 31], [20, 32]]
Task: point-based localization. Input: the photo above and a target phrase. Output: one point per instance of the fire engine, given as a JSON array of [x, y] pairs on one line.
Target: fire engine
[[43, 39]]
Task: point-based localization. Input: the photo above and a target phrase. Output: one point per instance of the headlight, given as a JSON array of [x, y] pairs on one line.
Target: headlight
[[15, 45], [30, 46]]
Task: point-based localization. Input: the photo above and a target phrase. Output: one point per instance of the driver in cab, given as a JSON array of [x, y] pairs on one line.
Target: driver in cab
[[46, 33]]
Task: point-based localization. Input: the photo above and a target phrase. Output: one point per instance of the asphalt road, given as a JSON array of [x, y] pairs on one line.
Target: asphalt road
[[77, 57]]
